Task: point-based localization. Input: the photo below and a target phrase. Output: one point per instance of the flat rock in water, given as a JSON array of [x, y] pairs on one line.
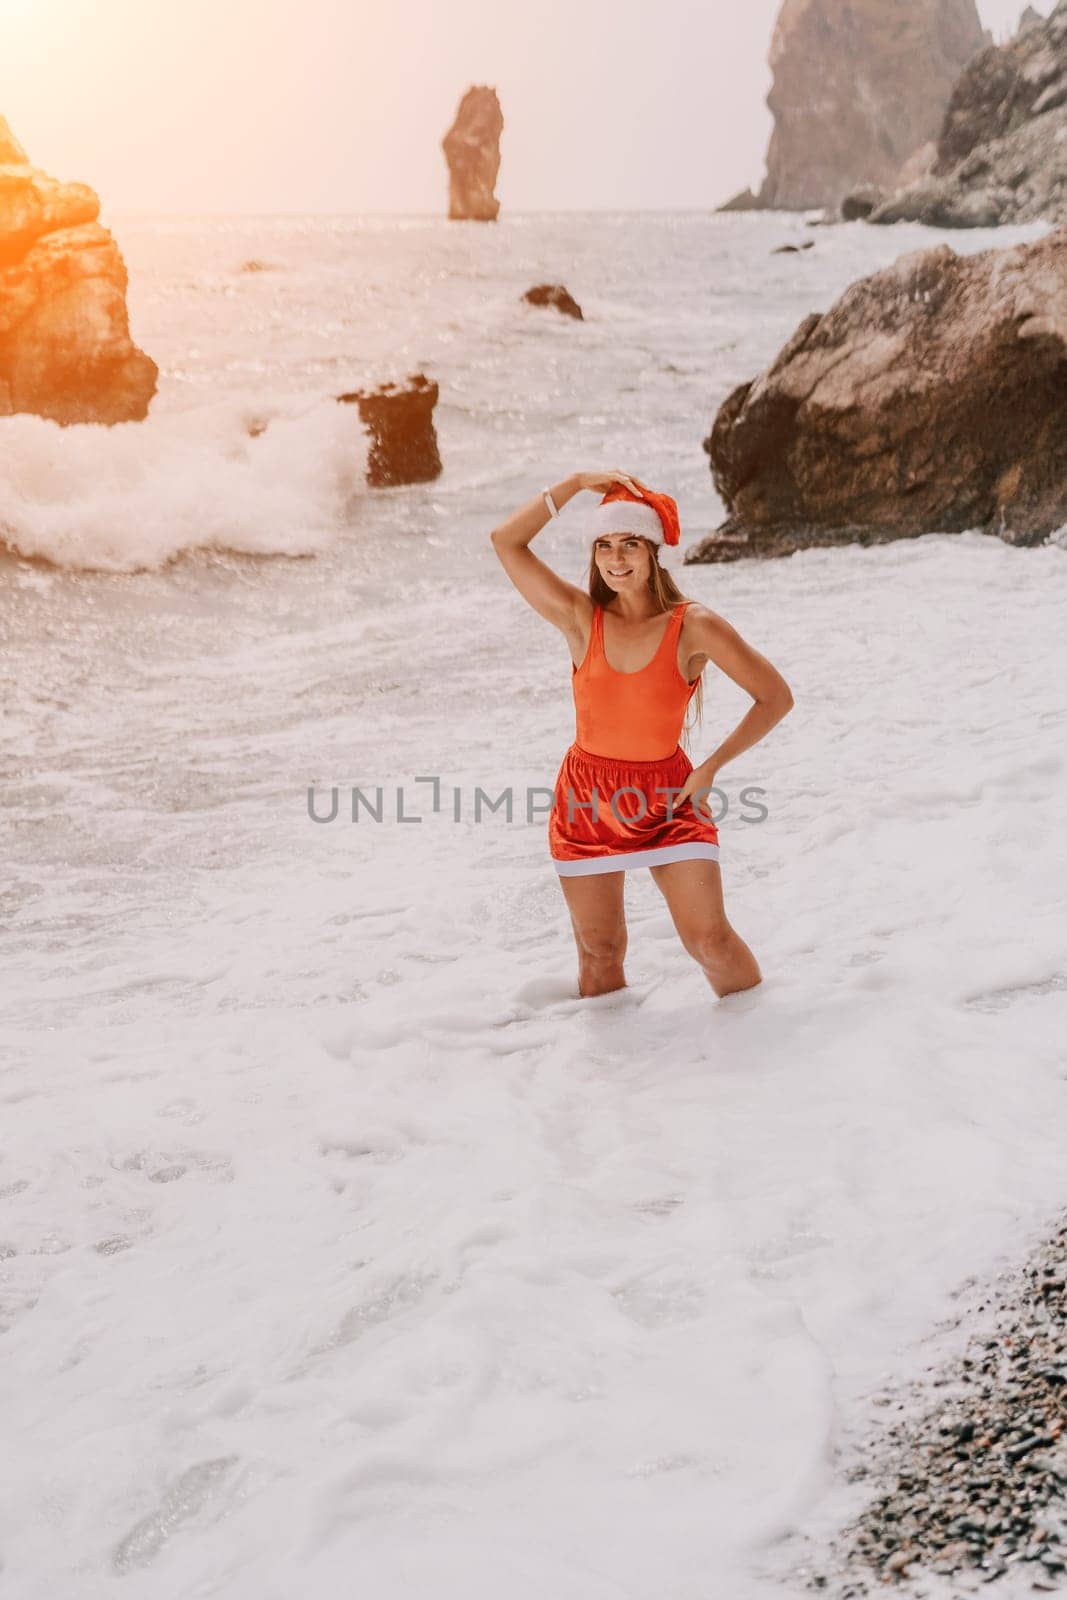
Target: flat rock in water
[[554, 294]]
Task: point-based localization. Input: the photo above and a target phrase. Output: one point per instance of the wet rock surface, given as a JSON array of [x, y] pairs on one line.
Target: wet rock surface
[[931, 397]]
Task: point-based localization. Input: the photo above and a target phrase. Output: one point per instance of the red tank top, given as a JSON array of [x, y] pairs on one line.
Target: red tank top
[[634, 716]]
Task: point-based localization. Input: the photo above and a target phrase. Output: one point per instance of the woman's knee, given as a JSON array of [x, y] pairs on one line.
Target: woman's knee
[[602, 949], [710, 943]]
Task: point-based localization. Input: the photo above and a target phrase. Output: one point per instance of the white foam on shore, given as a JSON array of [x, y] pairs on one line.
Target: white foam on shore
[[341, 1233]]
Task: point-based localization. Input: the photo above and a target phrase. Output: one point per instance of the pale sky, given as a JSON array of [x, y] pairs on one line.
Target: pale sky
[[340, 105]]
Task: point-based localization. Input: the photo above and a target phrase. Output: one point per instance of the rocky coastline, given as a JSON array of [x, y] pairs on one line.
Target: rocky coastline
[[973, 1485], [858, 94], [1002, 149]]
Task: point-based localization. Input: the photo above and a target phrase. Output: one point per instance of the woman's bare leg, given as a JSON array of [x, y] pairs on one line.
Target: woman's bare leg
[[693, 892], [595, 903]]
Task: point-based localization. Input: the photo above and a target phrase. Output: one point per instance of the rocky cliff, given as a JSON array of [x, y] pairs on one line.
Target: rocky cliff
[[931, 397], [472, 150], [65, 347], [860, 86], [1002, 150]]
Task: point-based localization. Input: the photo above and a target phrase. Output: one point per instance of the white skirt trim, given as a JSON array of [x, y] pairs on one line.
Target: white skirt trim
[[621, 860]]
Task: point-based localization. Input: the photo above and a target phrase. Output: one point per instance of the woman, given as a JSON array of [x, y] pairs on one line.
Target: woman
[[626, 794]]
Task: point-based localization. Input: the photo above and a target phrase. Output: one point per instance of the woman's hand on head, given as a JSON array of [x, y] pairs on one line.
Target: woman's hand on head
[[601, 482]]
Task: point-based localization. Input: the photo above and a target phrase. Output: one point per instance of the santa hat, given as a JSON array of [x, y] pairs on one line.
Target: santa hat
[[654, 516]]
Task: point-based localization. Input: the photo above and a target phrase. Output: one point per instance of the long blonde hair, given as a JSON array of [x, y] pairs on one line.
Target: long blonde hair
[[667, 595]]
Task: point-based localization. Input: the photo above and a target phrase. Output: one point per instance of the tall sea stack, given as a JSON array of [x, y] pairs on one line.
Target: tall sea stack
[[65, 346], [472, 150], [859, 94]]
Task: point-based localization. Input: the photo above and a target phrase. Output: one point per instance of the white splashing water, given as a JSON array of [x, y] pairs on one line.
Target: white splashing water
[[247, 477]]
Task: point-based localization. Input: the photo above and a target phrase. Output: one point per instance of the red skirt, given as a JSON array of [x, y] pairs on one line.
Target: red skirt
[[609, 815]]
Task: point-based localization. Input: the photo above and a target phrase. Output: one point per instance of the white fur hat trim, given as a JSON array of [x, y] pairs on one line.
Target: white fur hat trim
[[625, 516]]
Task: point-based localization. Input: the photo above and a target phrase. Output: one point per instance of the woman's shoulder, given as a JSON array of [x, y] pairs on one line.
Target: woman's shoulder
[[696, 611], [700, 624]]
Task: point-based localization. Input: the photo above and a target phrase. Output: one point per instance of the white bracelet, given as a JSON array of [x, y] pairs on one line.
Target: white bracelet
[[550, 503]]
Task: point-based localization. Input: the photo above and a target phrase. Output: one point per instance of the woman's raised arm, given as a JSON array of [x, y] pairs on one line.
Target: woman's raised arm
[[550, 595]]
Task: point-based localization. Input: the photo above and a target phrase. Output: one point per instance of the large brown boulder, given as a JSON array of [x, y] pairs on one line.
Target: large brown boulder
[[65, 346], [1002, 152], [859, 86], [931, 397], [472, 150]]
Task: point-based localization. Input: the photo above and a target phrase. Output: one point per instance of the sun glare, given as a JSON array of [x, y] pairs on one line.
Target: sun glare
[[15, 18]]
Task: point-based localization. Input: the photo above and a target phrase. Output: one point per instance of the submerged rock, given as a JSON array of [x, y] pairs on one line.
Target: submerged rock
[[859, 86], [472, 150], [65, 346], [403, 440], [554, 294], [931, 397], [1002, 152]]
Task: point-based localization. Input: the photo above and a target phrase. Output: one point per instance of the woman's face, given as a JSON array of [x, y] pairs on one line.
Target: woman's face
[[623, 560]]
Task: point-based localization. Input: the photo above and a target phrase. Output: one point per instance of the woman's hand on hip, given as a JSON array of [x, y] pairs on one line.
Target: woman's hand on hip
[[700, 782]]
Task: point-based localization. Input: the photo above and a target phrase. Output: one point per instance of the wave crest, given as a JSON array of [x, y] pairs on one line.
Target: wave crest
[[259, 478]]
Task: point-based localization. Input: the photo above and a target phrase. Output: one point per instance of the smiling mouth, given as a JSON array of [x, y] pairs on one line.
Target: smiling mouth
[[625, 573]]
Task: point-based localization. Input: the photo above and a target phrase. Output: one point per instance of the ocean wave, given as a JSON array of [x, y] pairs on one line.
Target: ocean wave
[[258, 477]]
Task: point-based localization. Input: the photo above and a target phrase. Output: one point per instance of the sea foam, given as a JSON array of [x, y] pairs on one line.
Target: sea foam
[[262, 478]]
